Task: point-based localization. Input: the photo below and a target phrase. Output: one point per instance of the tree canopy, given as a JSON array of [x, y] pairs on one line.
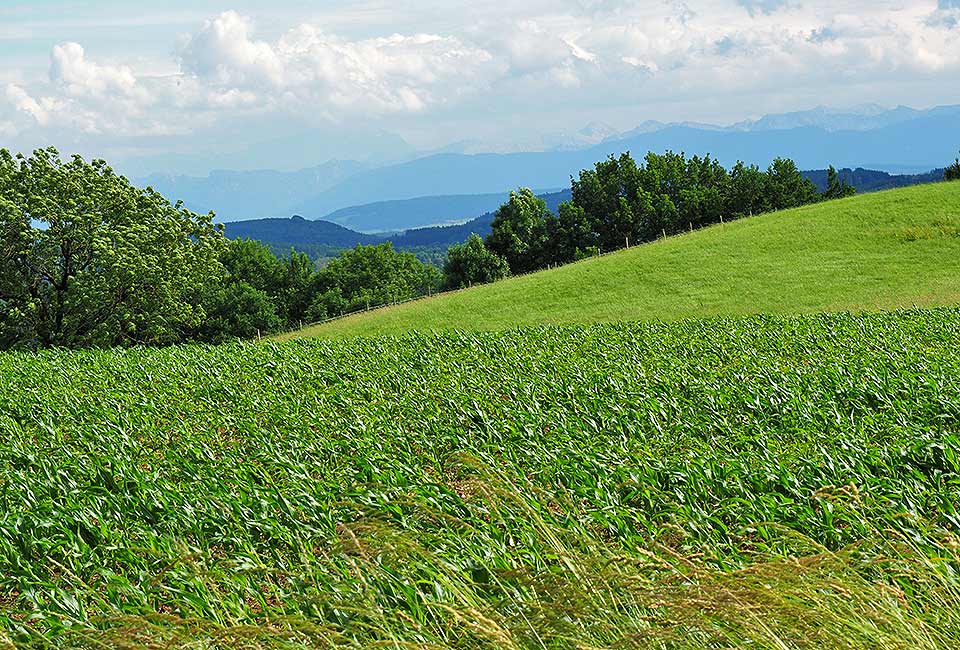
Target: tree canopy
[[519, 231], [952, 173], [620, 202], [88, 259], [473, 263], [368, 276], [837, 188]]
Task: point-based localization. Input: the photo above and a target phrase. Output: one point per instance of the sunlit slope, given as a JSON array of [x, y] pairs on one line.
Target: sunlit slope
[[878, 251]]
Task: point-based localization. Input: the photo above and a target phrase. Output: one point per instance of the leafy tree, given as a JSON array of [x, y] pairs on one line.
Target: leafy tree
[[568, 234], [747, 193], [952, 173], [255, 275], [615, 202], [86, 259], [704, 190], [296, 286], [519, 231], [369, 276], [252, 262], [787, 187], [837, 188], [473, 263], [238, 310]]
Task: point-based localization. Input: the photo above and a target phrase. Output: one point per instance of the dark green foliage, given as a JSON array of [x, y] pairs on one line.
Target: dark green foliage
[[787, 187], [620, 203], [86, 259], [239, 310], [260, 293], [748, 191], [519, 232], [837, 188], [263, 293], [952, 173], [473, 263], [369, 276]]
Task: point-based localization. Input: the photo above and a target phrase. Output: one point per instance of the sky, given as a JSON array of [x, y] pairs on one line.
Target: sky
[[193, 85]]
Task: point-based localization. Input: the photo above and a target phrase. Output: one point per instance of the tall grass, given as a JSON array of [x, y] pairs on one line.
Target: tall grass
[[577, 589], [768, 482]]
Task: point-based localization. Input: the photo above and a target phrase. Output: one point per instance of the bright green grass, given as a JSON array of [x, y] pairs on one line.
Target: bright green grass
[[768, 482], [878, 251]]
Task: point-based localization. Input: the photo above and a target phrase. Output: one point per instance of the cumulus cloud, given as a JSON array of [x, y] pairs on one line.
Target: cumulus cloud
[[70, 69], [549, 54], [396, 73], [21, 100]]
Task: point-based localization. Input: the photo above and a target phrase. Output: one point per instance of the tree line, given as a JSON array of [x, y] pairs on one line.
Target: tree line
[[620, 203], [87, 259]]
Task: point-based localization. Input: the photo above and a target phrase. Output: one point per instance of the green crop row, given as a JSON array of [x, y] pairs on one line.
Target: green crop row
[[616, 485]]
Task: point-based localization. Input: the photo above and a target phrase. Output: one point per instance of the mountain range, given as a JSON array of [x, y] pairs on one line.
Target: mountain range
[[902, 139]]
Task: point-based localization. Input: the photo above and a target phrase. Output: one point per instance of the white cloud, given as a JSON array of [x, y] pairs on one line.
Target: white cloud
[[397, 73], [223, 52], [21, 100], [472, 61], [70, 69]]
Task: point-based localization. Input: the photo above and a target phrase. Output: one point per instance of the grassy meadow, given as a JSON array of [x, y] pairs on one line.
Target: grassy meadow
[[887, 250], [769, 482]]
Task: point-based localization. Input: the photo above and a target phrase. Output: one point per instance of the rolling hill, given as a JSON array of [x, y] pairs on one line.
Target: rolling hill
[[886, 250]]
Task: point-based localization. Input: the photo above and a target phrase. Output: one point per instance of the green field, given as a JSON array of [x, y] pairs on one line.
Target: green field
[[878, 251], [784, 482]]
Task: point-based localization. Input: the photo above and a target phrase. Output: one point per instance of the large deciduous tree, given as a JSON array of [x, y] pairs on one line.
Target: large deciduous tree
[[473, 263], [368, 276], [787, 187], [87, 259], [519, 231]]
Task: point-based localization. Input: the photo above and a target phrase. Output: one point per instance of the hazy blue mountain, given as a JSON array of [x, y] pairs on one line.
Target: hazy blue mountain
[[324, 237], [448, 235], [446, 175], [409, 213], [915, 145], [861, 118], [858, 119], [236, 195], [297, 230], [898, 140]]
